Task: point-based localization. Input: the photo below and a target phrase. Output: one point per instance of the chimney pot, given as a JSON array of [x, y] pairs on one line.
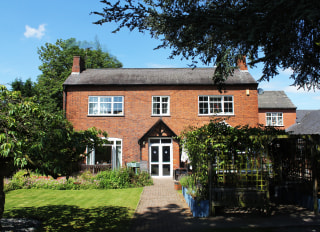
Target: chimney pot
[[76, 67]]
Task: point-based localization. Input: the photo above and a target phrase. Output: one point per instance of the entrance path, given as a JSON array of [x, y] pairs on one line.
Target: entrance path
[[161, 208]]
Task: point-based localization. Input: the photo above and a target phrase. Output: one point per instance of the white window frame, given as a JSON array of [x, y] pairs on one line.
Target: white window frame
[[116, 158], [99, 108], [274, 119], [161, 106], [210, 103]]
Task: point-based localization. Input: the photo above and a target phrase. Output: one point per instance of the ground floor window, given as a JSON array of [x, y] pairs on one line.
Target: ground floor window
[[274, 119], [110, 153]]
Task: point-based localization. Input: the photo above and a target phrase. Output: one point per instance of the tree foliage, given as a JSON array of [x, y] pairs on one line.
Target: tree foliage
[[281, 34], [37, 140], [57, 61], [26, 88]]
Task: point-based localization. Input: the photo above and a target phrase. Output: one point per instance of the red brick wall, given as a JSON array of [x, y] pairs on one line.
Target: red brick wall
[[289, 116], [137, 119]]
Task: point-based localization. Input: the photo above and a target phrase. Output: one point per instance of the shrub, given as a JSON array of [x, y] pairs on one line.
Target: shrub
[[111, 179], [114, 179], [142, 179], [186, 181]]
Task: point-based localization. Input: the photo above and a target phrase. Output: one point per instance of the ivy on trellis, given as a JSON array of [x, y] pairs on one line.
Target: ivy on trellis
[[239, 155]]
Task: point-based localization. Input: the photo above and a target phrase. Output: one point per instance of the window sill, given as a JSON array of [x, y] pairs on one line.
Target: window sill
[[113, 115], [160, 115], [215, 115]]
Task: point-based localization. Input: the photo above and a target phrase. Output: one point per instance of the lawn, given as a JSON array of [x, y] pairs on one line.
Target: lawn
[[75, 210]]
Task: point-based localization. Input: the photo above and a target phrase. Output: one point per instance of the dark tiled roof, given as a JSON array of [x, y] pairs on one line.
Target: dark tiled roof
[[308, 123], [163, 76], [274, 100]]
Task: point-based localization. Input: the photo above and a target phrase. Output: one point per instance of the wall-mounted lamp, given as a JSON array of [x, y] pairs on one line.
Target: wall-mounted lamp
[[247, 92]]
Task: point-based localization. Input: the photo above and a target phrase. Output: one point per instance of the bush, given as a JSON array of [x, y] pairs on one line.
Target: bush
[[186, 181], [142, 179], [114, 179], [111, 179]]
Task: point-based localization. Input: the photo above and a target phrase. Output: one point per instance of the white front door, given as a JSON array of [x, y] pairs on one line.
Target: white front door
[[160, 157]]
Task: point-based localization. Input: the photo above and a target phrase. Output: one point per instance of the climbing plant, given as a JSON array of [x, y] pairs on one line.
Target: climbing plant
[[238, 155]]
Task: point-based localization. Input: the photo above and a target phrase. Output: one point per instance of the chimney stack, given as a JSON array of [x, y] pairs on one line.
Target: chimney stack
[[76, 67], [242, 64]]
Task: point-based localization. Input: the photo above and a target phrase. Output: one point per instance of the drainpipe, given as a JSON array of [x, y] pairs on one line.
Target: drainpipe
[[64, 101]]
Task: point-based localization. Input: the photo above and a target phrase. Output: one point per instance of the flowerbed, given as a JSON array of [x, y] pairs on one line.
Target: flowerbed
[[123, 178]]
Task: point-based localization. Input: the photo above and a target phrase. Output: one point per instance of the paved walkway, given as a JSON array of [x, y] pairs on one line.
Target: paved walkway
[[161, 208]]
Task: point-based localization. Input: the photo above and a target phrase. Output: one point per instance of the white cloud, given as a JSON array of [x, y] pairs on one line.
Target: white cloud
[[35, 33], [287, 71], [294, 89]]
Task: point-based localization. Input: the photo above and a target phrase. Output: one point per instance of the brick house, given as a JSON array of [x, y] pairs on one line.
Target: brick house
[[276, 109], [143, 110]]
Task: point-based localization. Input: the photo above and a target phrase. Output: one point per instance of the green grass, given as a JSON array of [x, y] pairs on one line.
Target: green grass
[[75, 210]]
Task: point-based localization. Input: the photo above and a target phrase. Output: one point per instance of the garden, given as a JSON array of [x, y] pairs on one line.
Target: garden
[[102, 202]]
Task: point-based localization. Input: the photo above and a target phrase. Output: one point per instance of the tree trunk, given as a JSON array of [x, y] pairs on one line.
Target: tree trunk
[[2, 198]]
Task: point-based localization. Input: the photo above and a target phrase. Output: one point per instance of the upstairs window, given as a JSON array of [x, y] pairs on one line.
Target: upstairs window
[[274, 119], [160, 105], [106, 105], [216, 105]]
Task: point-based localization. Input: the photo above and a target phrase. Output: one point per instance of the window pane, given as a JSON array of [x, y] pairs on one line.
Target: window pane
[[105, 99], [203, 98], [93, 108], [117, 99], [156, 108], [103, 154], [154, 170], [228, 108], [203, 108], [164, 108], [227, 98], [93, 99], [216, 107], [117, 108], [154, 140], [165, 99], [154, 154], [166, 154], [104, 108], [156, 99], [165, 140], [166, 170]]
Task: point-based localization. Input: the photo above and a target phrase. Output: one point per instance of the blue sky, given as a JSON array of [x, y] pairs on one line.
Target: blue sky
[[27, 25]]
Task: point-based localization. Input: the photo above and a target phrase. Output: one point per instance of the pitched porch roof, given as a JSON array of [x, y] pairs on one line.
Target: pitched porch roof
[[159, 129]]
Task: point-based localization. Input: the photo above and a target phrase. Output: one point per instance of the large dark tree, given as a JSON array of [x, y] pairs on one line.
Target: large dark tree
[[32, 138], [57, 60], [281, 34]]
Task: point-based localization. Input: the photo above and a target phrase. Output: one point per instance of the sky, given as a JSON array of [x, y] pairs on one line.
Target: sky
[[27, 25]]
